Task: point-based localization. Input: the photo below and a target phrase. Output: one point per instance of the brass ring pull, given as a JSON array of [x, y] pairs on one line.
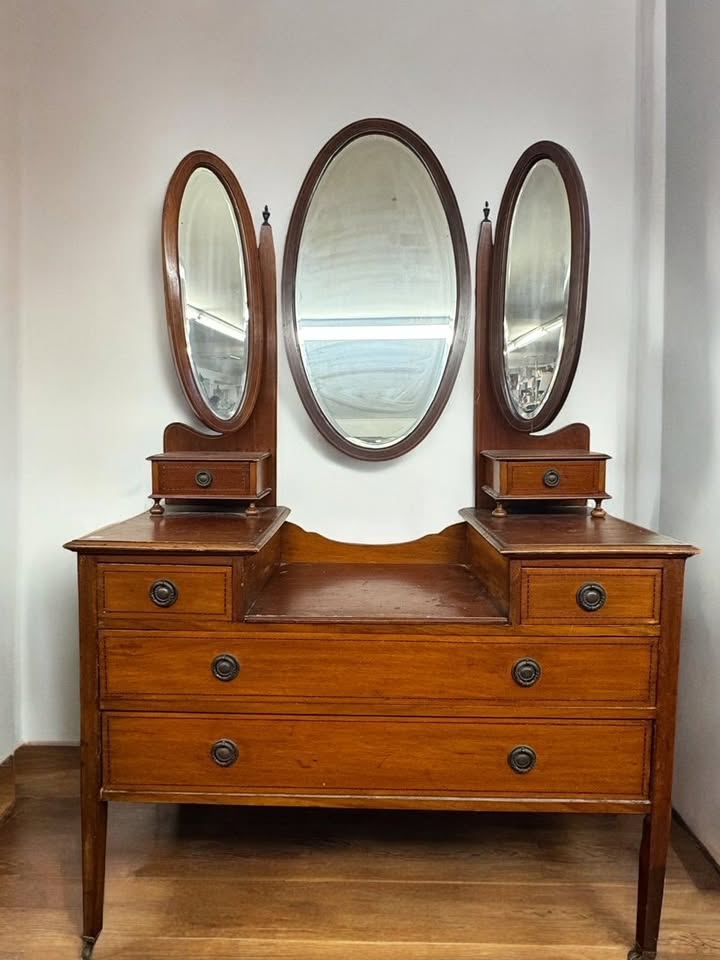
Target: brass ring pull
[[552, 478], [164, 593], [522, 759], [526, 672], [225, 667], [224, 753], [591, 597], [203, 478]]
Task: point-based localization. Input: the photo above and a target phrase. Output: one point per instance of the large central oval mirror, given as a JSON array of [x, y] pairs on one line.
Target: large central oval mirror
[[375, 286], [539, 283], [212, 291]]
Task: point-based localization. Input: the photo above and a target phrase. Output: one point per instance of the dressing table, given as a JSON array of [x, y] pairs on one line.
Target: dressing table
[[525, 661]]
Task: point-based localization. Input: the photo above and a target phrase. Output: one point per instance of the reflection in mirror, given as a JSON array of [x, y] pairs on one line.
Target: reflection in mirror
[[375, 292], [214, 293], [537, 288]]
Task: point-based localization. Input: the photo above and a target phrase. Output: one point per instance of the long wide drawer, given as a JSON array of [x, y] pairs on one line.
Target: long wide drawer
[[197, 665], [429, 757]]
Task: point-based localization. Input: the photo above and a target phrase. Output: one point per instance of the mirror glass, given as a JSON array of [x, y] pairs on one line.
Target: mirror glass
[[214, 293], [537, 288], [375, 291]]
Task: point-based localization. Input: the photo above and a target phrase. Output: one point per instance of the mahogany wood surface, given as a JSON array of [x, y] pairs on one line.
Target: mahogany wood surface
[[125, 589], [358, 756], [550, 594], [7, 786], [180, 665]]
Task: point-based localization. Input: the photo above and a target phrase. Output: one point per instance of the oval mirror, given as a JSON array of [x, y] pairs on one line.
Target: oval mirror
[[539, 286], [375, 290], [212, 291]]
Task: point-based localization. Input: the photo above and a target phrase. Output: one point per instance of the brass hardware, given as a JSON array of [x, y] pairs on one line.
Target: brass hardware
[[225, 667], [526, 672], [591, 596], [551, 478], [164, 593], [224, 753], [522, 759], [203, 478]]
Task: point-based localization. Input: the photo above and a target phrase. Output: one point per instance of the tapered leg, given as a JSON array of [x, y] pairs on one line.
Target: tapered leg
[[651, 883], [94, 834]]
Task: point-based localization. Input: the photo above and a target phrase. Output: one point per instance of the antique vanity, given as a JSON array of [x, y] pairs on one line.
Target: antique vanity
[[522, 659]]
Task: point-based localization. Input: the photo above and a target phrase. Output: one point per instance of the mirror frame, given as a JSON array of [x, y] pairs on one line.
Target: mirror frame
[[406, 136], [173, 293], [577, 293]]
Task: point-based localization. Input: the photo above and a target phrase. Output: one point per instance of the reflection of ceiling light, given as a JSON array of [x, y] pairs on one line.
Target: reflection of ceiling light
[[212, 322], [428, 331], [532, 335]]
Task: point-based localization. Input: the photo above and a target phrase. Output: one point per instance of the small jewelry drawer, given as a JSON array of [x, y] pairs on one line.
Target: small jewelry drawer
[[164, 590], [568, 759], [602, 671], [591, 595], [216, 476]]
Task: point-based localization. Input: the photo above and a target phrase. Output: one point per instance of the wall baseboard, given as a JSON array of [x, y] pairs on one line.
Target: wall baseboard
[[698, 843], [7, 787]]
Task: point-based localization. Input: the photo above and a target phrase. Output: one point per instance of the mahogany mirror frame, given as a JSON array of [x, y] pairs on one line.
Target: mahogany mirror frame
[[577, 293], [406, 136], [173, 293]]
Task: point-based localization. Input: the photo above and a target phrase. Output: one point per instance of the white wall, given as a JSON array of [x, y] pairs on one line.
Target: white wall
[[9, 300], [691, 438], [118, 92]]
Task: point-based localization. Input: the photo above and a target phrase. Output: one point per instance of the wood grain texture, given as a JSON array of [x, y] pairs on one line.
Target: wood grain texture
[[124, 589], [333, 884], [371, 757], [238, 477], [446, 547], [7, 786], [316, 592], [570, 531], [550, 594], [186, 531], [166, 665]]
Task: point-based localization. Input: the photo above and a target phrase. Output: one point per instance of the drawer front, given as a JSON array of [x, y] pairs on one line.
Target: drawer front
[[541, 478], [207, 479], [430, 757], [589, 595], [162, 665], [164, 590]]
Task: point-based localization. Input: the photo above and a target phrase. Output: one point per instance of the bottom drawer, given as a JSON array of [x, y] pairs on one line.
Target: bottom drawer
[[564, 759]]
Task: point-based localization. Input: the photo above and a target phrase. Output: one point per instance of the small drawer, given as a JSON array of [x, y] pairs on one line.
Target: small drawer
[[207, 476], [164, 590], [567, 759], [520, 671], [587, 595], [558, 478]]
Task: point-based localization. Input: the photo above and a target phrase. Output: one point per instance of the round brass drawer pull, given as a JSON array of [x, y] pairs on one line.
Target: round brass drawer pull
[[224, 753], [203, 478], [591, 596], [552, 478], [526, 672], [522, 759], [225, 667], [164, 593]]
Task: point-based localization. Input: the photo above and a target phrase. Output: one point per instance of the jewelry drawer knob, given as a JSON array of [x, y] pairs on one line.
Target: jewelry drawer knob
[[522, 759], [526, 672], [203, 478], [591, 596], [225, 667], [551, 478], [163, 593], [224, 753]]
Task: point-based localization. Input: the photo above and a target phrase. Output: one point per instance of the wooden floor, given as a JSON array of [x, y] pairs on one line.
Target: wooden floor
[[193, 883]]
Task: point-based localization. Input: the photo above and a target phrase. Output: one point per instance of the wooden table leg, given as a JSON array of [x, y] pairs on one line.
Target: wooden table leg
[[94, 833], [651, 882]]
